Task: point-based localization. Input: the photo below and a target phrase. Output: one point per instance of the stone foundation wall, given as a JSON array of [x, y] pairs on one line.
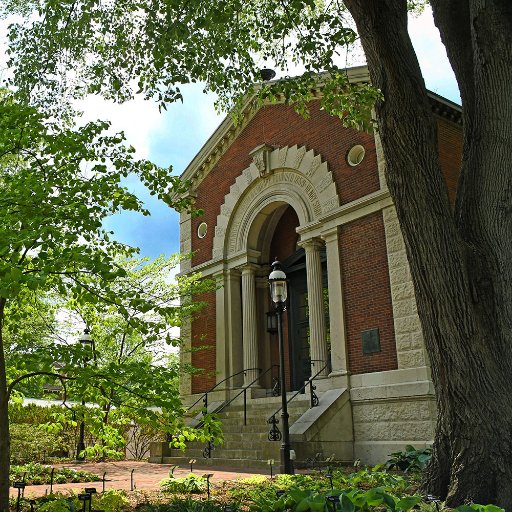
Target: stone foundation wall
[[391, 410]]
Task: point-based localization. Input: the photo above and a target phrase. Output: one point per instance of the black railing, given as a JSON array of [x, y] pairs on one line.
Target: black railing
[[274, 433], [244, 392], [207, 452], [204, 396]]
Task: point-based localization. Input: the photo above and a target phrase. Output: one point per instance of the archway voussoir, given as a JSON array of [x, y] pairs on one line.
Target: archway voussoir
[[222, 220], [305, 164], [299, 178]]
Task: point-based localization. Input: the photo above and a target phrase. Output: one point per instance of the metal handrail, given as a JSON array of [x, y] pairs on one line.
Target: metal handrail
[[244, 391], [314, 398], [205, 394]]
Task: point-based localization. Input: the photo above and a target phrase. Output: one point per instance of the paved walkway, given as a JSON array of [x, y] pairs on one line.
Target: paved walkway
[[145, 476]]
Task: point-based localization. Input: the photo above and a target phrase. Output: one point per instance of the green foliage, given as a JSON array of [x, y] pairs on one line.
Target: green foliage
[[188, 504], [368, 477], [112, 501], [312, 491], [58, 505], [350, 500], [222, 44], [410, 459], [479, 508], [24, 449], [36, 473], [190, 484]]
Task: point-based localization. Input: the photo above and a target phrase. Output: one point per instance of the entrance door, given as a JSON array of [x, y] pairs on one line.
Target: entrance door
[[298, 317], [299, 329]]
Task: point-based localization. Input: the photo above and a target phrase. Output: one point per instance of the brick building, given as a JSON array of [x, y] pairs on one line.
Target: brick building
[[311, 193]]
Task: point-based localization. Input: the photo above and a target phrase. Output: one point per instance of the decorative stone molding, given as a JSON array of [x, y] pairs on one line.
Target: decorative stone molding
[[293, 175], [261, 159]]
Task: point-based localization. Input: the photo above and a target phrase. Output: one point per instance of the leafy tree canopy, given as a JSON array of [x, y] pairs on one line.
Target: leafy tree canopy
[[152, 48], [57, 185]]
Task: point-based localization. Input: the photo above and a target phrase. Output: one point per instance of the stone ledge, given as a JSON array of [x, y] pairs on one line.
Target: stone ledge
[[400, 376], [392, 391]]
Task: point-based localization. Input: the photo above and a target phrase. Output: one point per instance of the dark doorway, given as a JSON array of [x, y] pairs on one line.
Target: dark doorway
[[298, 316]]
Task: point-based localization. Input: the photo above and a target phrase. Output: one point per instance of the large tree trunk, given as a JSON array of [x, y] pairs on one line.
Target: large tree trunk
[[5, 451], [460, 261]]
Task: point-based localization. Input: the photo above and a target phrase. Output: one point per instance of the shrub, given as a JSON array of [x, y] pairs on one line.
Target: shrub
[[25, 449], [189, 484], [58, 505], [410, 459], [112, 501]]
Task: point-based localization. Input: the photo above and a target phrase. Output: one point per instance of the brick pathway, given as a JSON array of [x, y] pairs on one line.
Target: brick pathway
[[146, 476]]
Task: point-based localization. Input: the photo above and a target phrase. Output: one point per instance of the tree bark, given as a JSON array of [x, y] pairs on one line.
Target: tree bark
[[460, 261], [5, 451]]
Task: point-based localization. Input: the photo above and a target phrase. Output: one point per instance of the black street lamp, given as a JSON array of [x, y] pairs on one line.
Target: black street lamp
[[85, 339], [279, 293]]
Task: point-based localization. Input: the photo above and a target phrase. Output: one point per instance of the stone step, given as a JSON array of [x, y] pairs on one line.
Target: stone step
[[245, 445], [251, 424], [272, 404]]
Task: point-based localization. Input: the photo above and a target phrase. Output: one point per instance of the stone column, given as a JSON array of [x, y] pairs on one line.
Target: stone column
[[221, 347], [250, 330], [317, 331], [234, 327], [336, 306]]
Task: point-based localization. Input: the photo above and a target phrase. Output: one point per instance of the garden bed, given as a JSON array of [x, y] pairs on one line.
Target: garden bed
[[41, 474]]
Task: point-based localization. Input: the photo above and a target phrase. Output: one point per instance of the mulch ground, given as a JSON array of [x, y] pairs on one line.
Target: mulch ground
[[118, 476]]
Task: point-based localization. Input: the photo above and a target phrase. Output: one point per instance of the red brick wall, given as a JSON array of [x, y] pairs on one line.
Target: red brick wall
[[367, 293], [362, 242], [279, 126], [449, 137], [204, 335]]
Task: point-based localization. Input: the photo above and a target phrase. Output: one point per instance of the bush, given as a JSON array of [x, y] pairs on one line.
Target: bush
[[410, 459], [30, 442], [59, 505], [111, 501], [189, 484]]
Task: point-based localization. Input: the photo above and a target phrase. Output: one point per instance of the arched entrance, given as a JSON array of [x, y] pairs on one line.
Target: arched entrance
[[267, 214]]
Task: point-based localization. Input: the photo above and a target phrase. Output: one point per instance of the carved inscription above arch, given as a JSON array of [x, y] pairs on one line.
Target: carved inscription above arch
[[298, 177]]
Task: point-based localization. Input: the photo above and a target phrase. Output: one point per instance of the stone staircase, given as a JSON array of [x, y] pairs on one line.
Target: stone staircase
[[245, 446]]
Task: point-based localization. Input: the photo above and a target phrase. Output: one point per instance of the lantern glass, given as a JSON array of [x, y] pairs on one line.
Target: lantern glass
[[271, 322], [278, 286], [85, 338], [278, 291]]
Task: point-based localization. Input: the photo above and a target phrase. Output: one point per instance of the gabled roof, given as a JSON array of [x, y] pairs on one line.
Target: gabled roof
[[222, 138]]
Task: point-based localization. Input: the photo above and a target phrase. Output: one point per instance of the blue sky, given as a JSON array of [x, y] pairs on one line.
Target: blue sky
[[174, 137]]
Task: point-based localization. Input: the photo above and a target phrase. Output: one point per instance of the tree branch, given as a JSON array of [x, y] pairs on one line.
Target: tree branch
[[59, 376]]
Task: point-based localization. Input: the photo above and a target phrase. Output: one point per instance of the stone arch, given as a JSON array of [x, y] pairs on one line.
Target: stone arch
[[294, 176]]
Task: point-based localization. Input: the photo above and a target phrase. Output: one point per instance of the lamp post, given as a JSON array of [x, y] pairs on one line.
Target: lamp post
[[85, 339], [279, 293]]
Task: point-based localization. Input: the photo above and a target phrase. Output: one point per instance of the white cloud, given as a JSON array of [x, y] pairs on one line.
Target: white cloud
[[136, 118]]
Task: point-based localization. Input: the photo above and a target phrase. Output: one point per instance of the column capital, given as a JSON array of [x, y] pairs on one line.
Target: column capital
[[262, 281], [249, 268], [331, 235], [233, 273], [311, 244]]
